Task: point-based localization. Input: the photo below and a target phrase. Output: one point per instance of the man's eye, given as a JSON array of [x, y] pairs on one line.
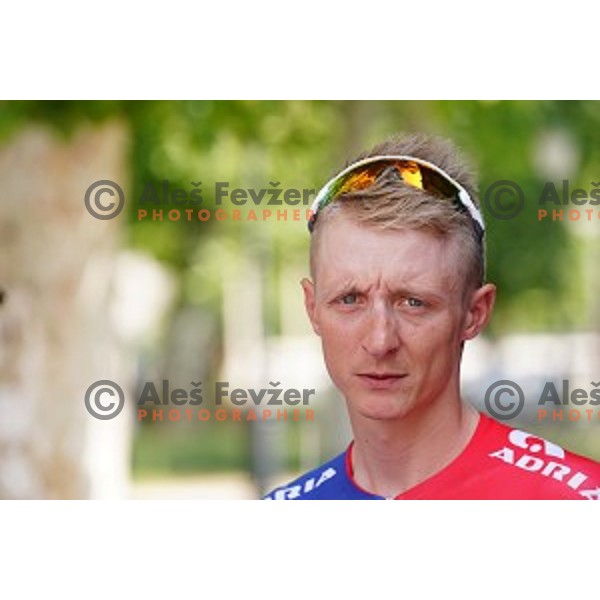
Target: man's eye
[[348, 299], [415, 302]]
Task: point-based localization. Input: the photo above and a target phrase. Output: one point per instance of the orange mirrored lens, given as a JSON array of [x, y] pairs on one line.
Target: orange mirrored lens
[[359, 181], [409, 172]]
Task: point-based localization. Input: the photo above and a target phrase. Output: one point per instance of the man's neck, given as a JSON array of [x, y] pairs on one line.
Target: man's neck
[[390, 457]]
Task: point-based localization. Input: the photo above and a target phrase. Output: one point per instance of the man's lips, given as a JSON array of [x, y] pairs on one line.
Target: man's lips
[[381, 380], [376, 375]]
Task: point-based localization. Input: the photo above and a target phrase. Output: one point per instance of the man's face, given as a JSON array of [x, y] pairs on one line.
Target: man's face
[[391, 311]]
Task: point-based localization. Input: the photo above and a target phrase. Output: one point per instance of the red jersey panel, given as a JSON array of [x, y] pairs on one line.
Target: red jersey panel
[[504, 463]]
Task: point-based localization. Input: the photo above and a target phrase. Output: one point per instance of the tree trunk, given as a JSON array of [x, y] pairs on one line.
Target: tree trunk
[[56, 333]]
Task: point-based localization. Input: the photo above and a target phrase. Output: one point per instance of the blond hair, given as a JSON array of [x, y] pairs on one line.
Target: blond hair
[[391, 204]]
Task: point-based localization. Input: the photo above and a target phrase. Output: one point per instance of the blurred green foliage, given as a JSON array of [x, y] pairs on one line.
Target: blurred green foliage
[[204, 447], [164, 450]]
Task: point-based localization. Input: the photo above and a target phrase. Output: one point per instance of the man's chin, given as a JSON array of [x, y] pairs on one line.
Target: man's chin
[[381, 409]]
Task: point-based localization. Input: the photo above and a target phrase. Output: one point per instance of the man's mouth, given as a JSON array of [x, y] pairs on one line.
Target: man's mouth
[[381, 380]]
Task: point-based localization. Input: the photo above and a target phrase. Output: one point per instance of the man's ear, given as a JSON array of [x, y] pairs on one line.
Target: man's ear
[[309, 302], [479, 310]]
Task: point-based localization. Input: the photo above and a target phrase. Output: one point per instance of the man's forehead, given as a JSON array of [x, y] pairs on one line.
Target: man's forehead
[[349, 250]]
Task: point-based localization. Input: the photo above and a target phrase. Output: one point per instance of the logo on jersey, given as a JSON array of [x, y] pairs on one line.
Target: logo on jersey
[[538, 456], [294, 492], [534, 444]]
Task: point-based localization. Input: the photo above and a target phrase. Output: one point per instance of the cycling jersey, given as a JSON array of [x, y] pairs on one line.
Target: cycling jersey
[[499, 463]]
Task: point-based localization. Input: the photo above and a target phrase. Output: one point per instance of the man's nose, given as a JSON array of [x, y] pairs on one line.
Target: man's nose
[[382, 335]]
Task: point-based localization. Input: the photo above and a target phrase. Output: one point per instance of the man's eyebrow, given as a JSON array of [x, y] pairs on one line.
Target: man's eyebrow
[[343, 284], [352, 285], [422, 291]]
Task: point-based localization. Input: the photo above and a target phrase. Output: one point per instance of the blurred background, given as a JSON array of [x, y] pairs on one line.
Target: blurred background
[[134, 301]]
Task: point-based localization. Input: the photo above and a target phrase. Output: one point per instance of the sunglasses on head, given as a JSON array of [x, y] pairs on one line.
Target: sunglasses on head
[[414, 172]]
